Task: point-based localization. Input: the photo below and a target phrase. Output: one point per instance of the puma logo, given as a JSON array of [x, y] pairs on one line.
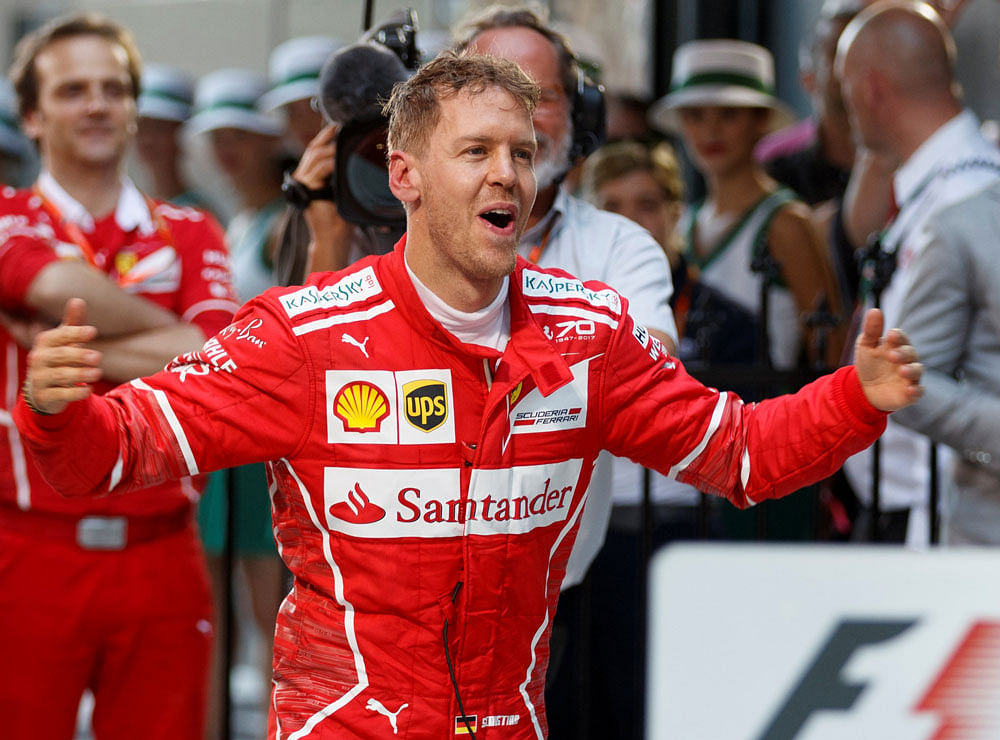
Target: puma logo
[[348, 339], [374, 705]]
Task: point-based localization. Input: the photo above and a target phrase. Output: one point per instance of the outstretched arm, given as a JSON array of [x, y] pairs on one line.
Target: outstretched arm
[[657, 415], [202, 413]]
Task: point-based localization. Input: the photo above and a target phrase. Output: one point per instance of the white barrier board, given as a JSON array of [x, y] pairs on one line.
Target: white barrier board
[[781, 642]]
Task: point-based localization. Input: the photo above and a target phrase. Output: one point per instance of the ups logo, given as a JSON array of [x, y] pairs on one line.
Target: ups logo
[[425, 404]]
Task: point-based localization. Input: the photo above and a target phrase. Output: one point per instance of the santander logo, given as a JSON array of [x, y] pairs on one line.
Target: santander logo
[[432, 502], [358, 508]]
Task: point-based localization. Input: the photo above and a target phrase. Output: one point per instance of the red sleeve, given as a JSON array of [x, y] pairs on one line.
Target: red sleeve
[[247, 396], [207, 298], [25, 249], [657, 415]]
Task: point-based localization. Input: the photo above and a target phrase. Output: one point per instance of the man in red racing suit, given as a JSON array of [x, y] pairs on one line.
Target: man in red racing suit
[[426, 491]]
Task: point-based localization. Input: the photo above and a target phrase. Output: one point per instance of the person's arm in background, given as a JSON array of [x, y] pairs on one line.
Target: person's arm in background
[[144, 353], [209, 410], [329, 234], [136, 336], [205, 303], [951, 301], [806, 268], [113, 311]]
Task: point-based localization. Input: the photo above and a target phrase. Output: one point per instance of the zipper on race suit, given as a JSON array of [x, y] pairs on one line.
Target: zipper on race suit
[[462, 717], [471, 455]]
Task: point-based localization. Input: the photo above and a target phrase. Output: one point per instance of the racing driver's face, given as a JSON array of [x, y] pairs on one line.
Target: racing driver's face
[[473, 190]]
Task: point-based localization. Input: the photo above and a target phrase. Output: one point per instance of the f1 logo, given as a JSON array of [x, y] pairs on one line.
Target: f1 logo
[[821, 687]]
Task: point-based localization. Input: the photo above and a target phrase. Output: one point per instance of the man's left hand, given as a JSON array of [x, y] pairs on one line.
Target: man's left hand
[[887, 366]]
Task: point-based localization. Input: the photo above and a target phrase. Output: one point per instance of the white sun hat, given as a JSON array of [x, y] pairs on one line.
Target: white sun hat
[[228, 98], [166, 93], [723, 72], [12, 139], [294, 67]]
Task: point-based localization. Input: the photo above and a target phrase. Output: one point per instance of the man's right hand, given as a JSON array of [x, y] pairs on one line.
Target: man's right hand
[[330, 235], [60, 367]]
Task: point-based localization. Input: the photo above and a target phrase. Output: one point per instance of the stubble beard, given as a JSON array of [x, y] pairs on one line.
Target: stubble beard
[[478, 264]]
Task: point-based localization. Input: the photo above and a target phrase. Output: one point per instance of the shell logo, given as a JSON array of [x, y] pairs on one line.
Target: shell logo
[[361, 406]]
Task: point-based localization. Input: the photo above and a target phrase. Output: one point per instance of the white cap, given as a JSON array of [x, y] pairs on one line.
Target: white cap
[[166, 93], [294, 67], [227, 98], [720, 72], [12, 139]]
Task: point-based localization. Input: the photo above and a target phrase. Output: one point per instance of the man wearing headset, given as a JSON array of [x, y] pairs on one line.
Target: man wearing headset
[[564, 231]]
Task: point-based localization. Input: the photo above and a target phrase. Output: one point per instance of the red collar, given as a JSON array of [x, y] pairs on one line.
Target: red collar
[[529, 352]]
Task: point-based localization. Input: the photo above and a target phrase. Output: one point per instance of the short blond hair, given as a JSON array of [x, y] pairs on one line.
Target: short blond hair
[[414, 108], [23, 73], [622, 158]]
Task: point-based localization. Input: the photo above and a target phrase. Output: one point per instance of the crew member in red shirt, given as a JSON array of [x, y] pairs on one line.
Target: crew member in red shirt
[[107, 594]]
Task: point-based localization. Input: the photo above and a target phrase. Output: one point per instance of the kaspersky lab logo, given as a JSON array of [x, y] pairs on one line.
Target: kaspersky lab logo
[[425, 404], [961, 702]]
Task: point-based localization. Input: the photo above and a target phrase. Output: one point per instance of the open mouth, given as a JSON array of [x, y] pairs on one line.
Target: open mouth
[[498, 217]]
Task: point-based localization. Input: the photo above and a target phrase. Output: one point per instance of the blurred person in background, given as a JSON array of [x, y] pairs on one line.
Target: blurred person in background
[[952, 303], [749, 228], [567, 232], [644, 184], [109, 594], [248, 148], [164, 105], [293, 75], [896, 62], [814, 157], [17, 158], [351, 86], [628, 118], [867, 201]]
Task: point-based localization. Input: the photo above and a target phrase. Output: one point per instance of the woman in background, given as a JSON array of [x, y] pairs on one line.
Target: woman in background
[[748, 228]]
